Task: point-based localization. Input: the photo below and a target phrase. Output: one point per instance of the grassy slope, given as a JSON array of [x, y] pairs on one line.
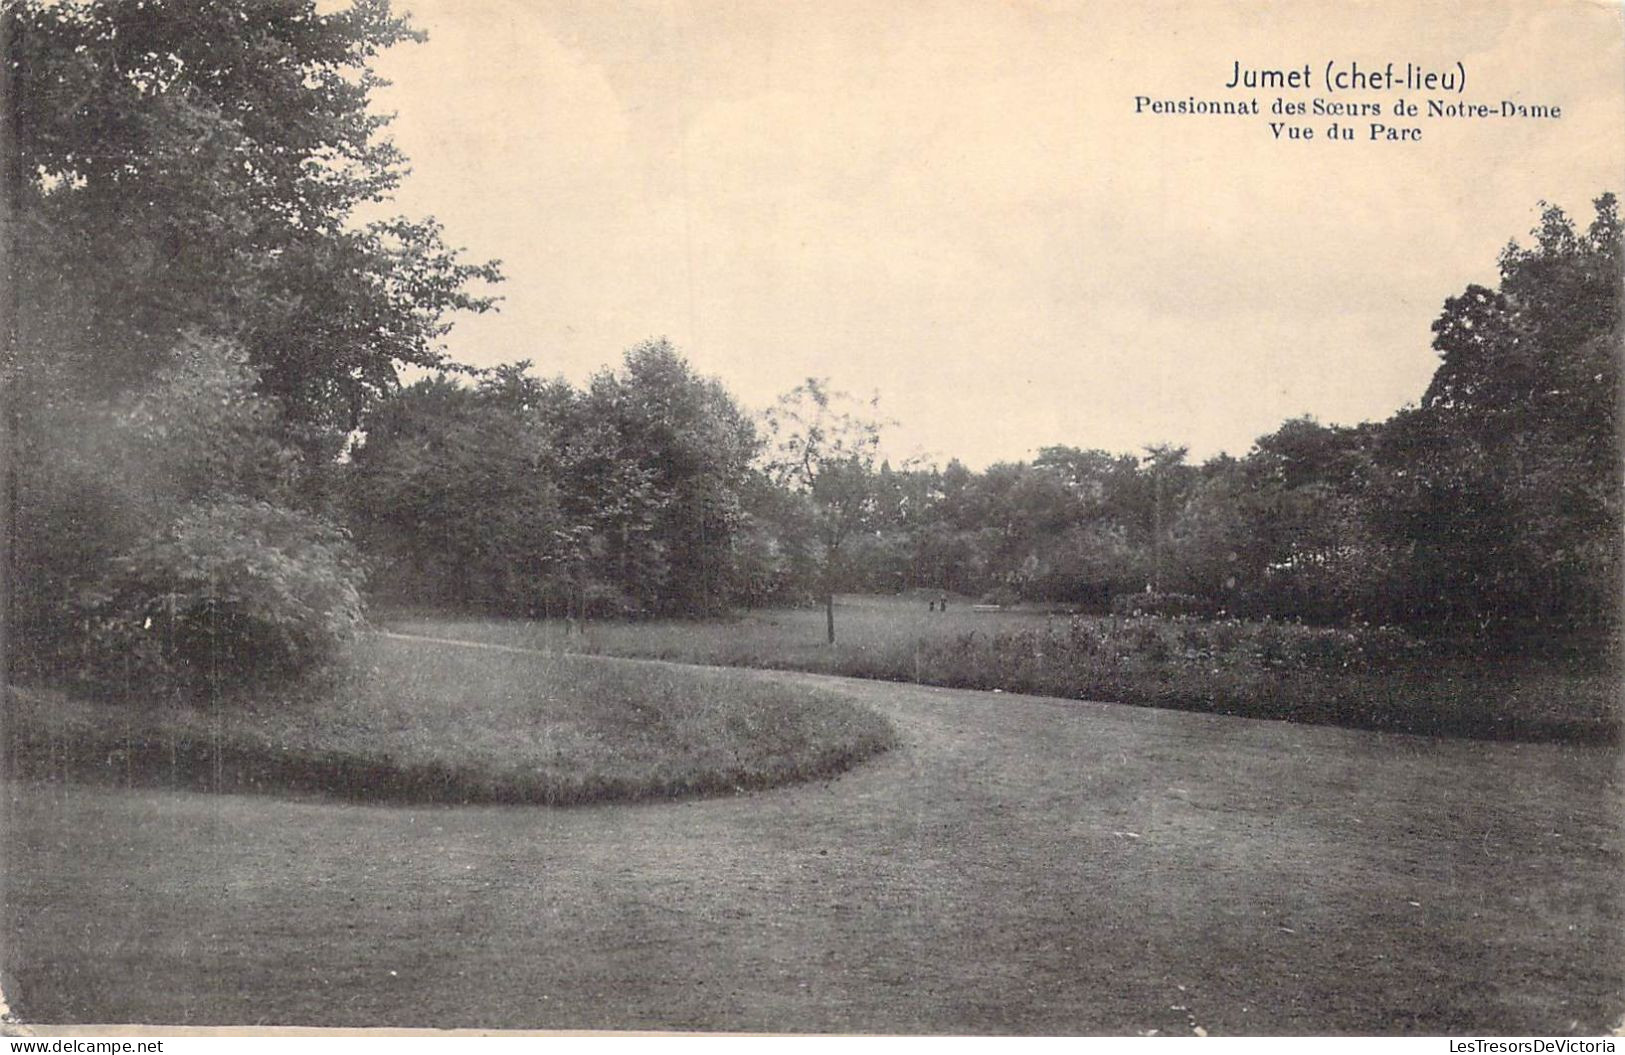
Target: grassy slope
[[429, 722], [1015, 864], [898, 640]]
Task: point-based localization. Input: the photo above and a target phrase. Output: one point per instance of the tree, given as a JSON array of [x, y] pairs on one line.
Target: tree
[[669, 455], [1088, 474], [1168, 478], [454, 494], [226, 590], [196, 166], [1305, 547], [181, 180], [824, 445], [775, 555], [1502, 490]]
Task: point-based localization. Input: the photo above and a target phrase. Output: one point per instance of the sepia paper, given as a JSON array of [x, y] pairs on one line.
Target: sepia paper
[[1018, 224]]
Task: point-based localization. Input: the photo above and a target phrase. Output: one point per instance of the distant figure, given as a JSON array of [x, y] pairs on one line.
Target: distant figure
[[931, 605], [943, 603]]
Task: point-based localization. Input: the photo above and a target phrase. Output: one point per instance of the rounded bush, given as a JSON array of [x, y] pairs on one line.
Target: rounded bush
[[230, 589]]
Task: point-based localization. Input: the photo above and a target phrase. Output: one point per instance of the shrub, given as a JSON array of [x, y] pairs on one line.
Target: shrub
[[1144, 638], [229, 589], [1004, 596], [1158, 603], [1083, 637], [95, 474], [1358, 647]]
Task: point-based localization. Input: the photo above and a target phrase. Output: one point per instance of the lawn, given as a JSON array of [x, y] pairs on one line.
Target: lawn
[[1013, 864], [1303, 674], [416, 721]]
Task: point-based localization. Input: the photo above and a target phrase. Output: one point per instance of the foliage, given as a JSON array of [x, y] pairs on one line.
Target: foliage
[[94, 475], [206, 316], [454, 497], [775, 554], [1491, 510], [230, 591], [657, 457], [528, 497], [824, 446], [1364, 676], [199, 166], [1502, 491], [202, 315]]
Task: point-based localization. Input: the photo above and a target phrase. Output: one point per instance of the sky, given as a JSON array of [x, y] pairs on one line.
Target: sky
[[953, 203]]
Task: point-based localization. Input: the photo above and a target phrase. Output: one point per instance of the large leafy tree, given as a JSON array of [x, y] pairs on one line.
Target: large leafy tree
[[196, 165], [1503, 486], [657, 458], [527, 495], [454, 495], [189, 275]]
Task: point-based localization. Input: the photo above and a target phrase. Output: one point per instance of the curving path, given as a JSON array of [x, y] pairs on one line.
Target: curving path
[[1017, 865]]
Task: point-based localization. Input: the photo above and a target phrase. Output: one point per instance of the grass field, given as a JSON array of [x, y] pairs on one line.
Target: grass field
[[425, 722], [1012, 865], [1149, 662]]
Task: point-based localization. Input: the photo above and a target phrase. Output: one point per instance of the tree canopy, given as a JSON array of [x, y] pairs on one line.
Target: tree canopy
[[200, 313], [530, 497], [197, 166]]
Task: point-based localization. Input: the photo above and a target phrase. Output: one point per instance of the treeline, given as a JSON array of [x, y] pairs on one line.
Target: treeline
[[1492, 507], [523, 496], [211, 459]]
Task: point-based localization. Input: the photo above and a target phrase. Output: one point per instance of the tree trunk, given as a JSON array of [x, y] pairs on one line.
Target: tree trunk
[[829, 615]]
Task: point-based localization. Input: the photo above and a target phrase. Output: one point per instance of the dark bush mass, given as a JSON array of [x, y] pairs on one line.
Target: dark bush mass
[[230, 591]]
